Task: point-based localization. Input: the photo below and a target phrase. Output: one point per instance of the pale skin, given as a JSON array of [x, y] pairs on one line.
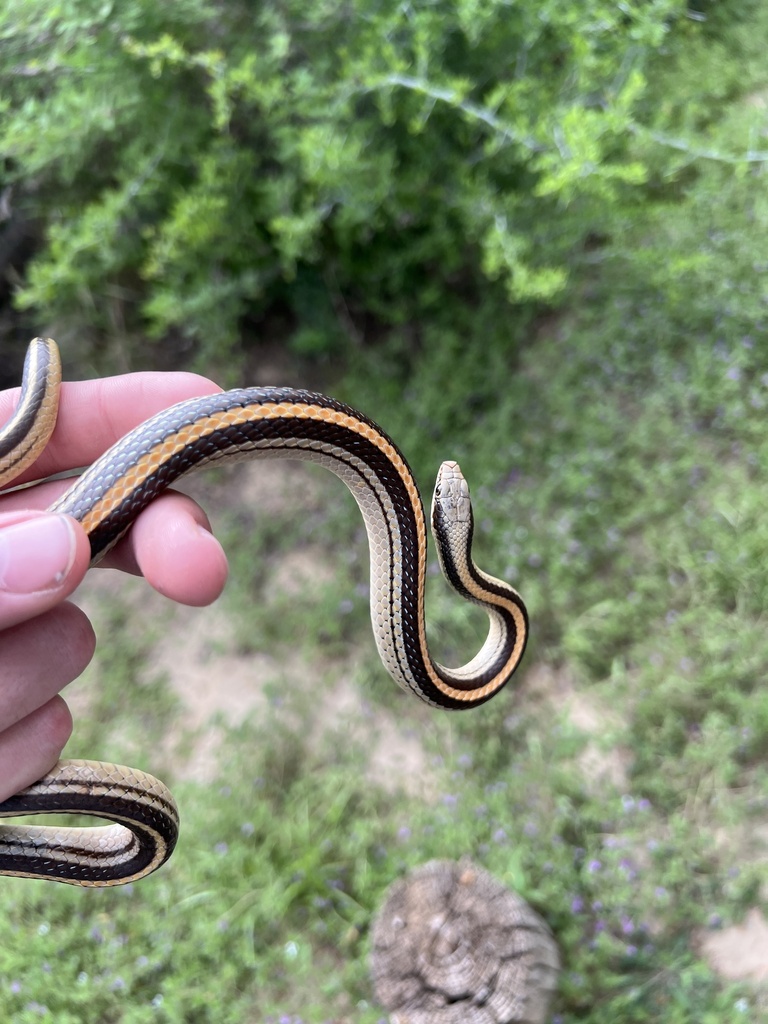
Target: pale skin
[[45, 640]]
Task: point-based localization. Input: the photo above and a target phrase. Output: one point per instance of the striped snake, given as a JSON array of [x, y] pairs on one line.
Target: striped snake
[[260, 423]]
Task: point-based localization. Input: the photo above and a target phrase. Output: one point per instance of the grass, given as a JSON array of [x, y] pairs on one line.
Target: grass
[[636, 537]]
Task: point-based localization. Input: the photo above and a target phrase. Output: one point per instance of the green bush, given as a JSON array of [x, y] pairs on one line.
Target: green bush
[[191, 164]]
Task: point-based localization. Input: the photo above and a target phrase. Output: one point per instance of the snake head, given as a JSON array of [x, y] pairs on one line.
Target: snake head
[[451, 505]]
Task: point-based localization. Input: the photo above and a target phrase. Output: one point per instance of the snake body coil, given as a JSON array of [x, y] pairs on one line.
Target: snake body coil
[[260, 423]]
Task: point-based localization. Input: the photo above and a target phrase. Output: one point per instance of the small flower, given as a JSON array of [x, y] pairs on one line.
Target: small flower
[[577, 905], [594, 866], [221, 848], [626, 866]]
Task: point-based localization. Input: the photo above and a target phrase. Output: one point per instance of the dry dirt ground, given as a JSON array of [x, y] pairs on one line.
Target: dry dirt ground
[[198, 655]]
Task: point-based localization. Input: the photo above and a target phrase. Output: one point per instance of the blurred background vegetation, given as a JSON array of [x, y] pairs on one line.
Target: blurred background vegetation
[[531, 236], [185, 180]]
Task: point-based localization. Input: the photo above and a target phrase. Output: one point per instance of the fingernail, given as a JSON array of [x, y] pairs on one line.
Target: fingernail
[[36, 555]]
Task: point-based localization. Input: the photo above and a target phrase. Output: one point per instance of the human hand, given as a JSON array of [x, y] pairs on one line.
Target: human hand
[[45, 641]]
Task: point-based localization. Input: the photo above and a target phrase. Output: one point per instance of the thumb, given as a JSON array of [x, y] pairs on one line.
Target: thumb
[[43, 557]]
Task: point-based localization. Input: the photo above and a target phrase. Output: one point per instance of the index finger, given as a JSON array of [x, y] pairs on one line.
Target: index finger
[[94, 414]]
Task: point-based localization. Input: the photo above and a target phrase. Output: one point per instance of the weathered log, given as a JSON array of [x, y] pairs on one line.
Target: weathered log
[[452, 945]]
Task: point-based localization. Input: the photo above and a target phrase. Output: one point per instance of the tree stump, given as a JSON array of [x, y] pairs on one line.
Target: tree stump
[[452, 945]]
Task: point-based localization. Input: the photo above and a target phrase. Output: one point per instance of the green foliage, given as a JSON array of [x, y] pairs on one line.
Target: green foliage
[[192, 163]]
